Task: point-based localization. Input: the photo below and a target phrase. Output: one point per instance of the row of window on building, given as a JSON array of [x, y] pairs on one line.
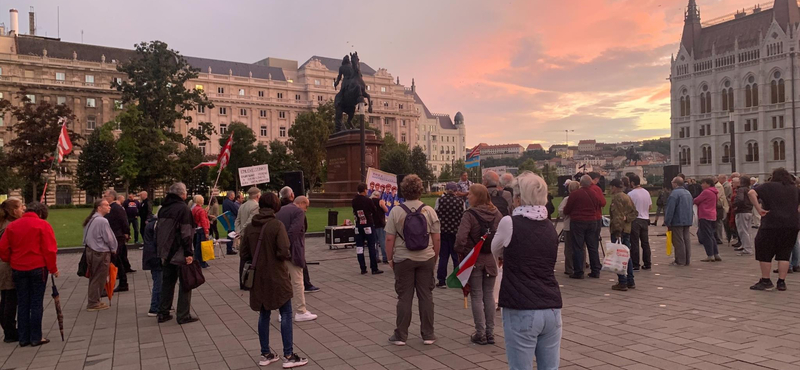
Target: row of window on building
[[750, 125], [752, 153], [777, 95]]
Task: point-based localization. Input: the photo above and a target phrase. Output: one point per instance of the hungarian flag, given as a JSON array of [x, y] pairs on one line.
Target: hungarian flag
[[206, 164], [64, 143], [225, 154], [459, 278]]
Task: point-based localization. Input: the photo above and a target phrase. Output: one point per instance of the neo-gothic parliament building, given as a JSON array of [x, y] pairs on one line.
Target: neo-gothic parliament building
[[733, 93]]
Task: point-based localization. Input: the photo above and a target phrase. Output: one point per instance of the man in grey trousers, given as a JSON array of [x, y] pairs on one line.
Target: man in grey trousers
[[678, 218]]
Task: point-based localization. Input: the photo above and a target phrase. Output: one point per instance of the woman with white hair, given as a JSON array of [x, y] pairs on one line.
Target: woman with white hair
[[526, 245], [200, 217]]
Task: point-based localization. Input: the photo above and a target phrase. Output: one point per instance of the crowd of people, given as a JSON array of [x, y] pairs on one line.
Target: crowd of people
[[510, 217]]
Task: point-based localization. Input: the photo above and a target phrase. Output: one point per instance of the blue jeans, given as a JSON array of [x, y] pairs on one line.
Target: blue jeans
[[585, 233], [367, 244], [199, 237], [447, 252], [530, 333], [626, 240], [795, 260], [286, 329], [380, 239], [30, 297], [155, 296]]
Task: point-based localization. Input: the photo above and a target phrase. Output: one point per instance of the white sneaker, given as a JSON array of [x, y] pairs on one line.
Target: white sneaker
[[428, 342], [268, 359], [308, 316]]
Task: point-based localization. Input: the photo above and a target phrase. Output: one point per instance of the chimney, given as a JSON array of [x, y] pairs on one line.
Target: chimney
[[31, 23], [14, 29]]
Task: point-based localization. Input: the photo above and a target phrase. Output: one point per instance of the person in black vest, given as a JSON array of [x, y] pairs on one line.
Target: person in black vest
[[526, 245], [450, 208], [145, 211], [481, 219]]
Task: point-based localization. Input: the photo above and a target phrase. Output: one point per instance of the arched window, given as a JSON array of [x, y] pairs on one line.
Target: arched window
[[726, 153], [778, 150], [727, 96], [752, 152], [705, 154], [751, 93], [685, 156], [724, 100], [778, 89], [705, 100], [686, 108]]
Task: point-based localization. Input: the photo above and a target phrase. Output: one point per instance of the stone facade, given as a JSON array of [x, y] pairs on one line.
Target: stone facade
[[735, 77], [266, 96]]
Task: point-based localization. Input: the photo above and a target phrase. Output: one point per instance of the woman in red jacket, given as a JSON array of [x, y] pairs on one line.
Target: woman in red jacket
[[29, 245], [706, 204]]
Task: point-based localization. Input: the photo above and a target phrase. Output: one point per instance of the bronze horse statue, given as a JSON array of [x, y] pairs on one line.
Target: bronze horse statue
[[352, 93]]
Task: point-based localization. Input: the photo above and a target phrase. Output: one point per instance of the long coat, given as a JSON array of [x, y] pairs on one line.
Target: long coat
[[272, 285]]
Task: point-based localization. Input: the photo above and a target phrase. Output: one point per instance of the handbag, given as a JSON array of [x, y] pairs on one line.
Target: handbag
[[207, 249], [249, 269], [191, 275], [669, 243], [617, 258], [83, 265]]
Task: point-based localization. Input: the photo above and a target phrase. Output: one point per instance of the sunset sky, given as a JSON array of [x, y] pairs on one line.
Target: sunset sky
[[519, 71]]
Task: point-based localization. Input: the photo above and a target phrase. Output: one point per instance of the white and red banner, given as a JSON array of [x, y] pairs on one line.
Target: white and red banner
[[223, 158]]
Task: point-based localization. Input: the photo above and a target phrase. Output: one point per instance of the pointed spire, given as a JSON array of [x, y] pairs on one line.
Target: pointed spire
[[692, 13], [786, 11]]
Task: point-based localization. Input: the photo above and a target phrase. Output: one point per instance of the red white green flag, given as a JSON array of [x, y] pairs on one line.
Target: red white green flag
[[460, 277]]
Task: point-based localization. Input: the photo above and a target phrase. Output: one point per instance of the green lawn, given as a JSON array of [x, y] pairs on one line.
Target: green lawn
[[69, 232]]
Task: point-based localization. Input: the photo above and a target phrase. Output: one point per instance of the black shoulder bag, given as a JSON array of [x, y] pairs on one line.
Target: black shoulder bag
[[249, 269]]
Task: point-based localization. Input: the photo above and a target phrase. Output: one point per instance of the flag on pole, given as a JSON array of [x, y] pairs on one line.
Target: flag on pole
[[64, 143], [460, 278], [225, 154], [206, 164]]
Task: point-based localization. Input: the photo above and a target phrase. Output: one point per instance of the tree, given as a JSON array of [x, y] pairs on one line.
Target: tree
[[660, 146], [8, 178], [528, 165], [419, 165], [395, 157], [280, 161], [307, 138], [156, 96], [97, 163], [196, 180], [37, 129]]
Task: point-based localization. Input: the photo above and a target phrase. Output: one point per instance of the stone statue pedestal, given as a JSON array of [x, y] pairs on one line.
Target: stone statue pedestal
[[344, 167]]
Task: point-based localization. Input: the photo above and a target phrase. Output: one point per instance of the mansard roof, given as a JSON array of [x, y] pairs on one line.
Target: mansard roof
[[333, 65], [28, 45]]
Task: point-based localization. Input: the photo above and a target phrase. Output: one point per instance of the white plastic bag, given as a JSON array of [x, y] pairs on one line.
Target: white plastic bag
[[694, 216], [617, 258]]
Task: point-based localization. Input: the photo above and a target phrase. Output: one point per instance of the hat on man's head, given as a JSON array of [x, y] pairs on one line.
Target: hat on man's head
[[451, 186]]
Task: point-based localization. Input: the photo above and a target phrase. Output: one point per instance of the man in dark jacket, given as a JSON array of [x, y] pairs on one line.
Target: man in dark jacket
[[145, 210], [131, 206], [150, 261], [583, 208], [743, 216], [293, 217], [287, 197], [118, 220], [174, 236]]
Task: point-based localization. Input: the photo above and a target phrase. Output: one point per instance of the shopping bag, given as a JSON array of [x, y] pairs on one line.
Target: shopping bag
[[207, 247], [191, 276], [617, 258], [694, 216], [669, 243]]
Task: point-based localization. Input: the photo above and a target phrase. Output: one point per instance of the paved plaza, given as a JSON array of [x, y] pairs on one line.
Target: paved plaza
[[698, 317]]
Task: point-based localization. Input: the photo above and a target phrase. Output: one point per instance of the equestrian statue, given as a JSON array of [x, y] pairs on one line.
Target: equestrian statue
[[352, 93]]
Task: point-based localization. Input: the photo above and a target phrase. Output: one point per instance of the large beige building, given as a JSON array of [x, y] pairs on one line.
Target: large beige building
[[266, 96], [442, 139]]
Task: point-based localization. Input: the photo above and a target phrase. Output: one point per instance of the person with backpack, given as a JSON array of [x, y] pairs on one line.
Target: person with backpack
[[412, 243], [480, 220], [151, 262], [499, 197], [364, 217]]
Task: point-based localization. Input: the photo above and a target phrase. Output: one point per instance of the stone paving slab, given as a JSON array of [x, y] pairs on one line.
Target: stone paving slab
[[697, 317]]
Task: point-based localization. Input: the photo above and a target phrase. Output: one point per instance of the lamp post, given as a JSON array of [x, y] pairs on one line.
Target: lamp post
[[731, 129]]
